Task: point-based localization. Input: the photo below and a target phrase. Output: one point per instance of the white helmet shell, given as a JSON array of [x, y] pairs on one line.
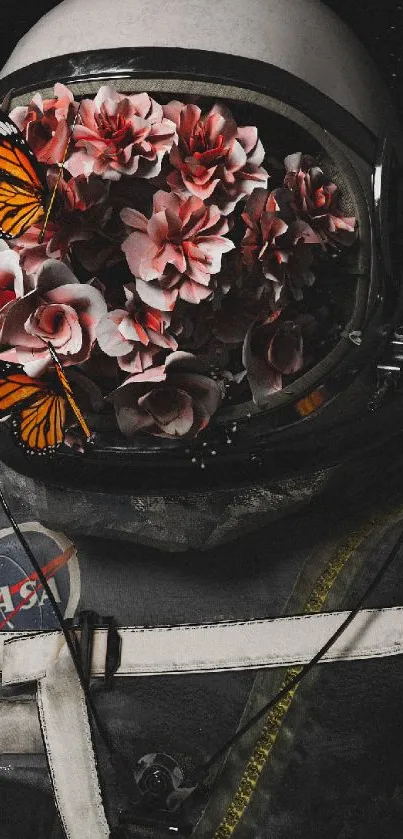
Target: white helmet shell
[[302, 37]]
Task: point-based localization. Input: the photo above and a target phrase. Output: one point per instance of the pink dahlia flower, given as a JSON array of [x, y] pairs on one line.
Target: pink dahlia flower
[[316, 199], [263, 226], [46, 123], [60, 310], [81, 212], [11, 276], [120, 135], [135, 334], [290, 270], [173, 400], [212, 156], [272, 349], [283, 250], [177, 250]]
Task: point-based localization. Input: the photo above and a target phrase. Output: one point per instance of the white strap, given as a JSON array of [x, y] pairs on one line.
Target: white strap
[[249, 644], [150, 651], [280, 642], [67, 738]]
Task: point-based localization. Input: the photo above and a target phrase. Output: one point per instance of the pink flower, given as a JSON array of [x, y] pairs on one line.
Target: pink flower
[[212, 156], [31, 254], [173, 400], [272, 349], [46, 123], [291, 268], [134, 335], [60, 310], [315, 198], [120, 135], [81, 212], [177, 250], [11, 276], [283, 249], [263, 225]]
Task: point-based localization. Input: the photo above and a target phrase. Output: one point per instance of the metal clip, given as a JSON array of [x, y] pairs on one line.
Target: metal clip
[[159, 780], [356, 337], [389, 370], [87, 621], [386, 383]]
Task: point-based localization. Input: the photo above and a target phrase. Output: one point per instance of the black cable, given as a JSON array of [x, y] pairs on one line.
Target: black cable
[[201, 772], [73, 649], [119, 763]]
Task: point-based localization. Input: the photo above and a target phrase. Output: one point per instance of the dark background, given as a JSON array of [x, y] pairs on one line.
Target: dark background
[[378, 23]]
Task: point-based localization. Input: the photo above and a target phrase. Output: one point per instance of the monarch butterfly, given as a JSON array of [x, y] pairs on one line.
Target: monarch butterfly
[[24, 194], [37, 408]]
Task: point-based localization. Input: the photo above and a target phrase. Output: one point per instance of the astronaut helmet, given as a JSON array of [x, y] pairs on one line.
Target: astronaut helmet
[[298, 74]]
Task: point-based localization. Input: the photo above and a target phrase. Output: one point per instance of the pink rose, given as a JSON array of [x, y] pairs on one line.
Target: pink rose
[[273, 347], [11, 276], [120, 135], [213, 157], [178, 249], [60, 310], [134, 335], [46, 123], [173, 400]]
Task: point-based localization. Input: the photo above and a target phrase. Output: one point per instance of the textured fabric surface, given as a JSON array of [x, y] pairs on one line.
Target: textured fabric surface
[[321, 762], [327, 763]]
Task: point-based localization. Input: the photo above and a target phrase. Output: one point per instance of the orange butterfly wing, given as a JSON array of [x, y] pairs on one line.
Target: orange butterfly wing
[[37, 414], [40, 425], [22, 189], [15, 388]]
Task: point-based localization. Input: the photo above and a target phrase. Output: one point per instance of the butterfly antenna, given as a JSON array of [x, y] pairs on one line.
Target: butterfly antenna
[[68, 390], [59, 176]]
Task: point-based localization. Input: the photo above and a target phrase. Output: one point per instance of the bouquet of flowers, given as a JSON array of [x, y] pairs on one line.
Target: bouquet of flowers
[[182, 265]]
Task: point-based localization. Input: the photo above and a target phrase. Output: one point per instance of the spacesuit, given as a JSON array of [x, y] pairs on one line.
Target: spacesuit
[[196, 597]]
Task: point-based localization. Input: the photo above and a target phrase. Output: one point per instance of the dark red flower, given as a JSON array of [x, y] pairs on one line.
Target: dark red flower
[[272, 349], [173, 400], [283, 249]]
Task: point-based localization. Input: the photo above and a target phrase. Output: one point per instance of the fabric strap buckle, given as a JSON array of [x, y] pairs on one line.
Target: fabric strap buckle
[[86, 622]]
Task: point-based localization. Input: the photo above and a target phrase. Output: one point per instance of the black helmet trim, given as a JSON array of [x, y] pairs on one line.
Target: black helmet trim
[[313, 397], [197, 64]]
